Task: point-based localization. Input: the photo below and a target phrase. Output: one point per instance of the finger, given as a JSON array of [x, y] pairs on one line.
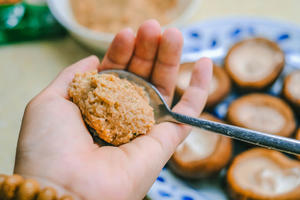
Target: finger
[[120, 51], [166, 67], [195, 96], [163, 139], [61, 83], [147, 42], [191, 104]]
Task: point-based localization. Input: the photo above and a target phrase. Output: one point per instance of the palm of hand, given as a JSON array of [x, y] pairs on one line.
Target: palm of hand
[[55, 145], [67, 154]]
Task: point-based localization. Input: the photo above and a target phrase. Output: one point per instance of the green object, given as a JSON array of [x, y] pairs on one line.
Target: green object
[[24, 21], [11, 15]]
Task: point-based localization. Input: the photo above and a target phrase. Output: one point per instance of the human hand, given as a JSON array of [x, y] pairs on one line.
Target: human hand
[[56, 147]]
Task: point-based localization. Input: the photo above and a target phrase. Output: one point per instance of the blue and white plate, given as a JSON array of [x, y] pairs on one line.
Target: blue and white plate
[[212, 39]]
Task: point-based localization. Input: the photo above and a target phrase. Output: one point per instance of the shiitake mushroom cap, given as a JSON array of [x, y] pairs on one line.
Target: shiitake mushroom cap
[[262, 100], [208, 166], [262, 83], [220, 77], [292, 78], [238, 192]]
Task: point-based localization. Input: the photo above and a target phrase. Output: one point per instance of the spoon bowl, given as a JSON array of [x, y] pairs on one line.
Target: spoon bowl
[[157, 102], [163, 113]]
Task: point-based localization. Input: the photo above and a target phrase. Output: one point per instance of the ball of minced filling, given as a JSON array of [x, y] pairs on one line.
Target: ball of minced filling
[[118, 110]]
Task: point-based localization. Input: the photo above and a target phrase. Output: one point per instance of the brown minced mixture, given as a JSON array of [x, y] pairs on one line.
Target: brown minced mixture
[[118, 110], [113, 15]]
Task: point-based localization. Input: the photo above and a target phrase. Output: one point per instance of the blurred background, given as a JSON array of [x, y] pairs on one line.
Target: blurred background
[[26, 67]]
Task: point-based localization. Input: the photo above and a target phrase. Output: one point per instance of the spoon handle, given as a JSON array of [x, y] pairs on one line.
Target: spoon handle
[[250, 136]]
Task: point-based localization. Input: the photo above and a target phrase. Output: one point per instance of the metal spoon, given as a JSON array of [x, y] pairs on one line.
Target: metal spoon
[[163, 113]]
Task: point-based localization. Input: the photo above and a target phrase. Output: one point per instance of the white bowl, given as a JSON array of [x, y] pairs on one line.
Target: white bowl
[[99, 41]]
